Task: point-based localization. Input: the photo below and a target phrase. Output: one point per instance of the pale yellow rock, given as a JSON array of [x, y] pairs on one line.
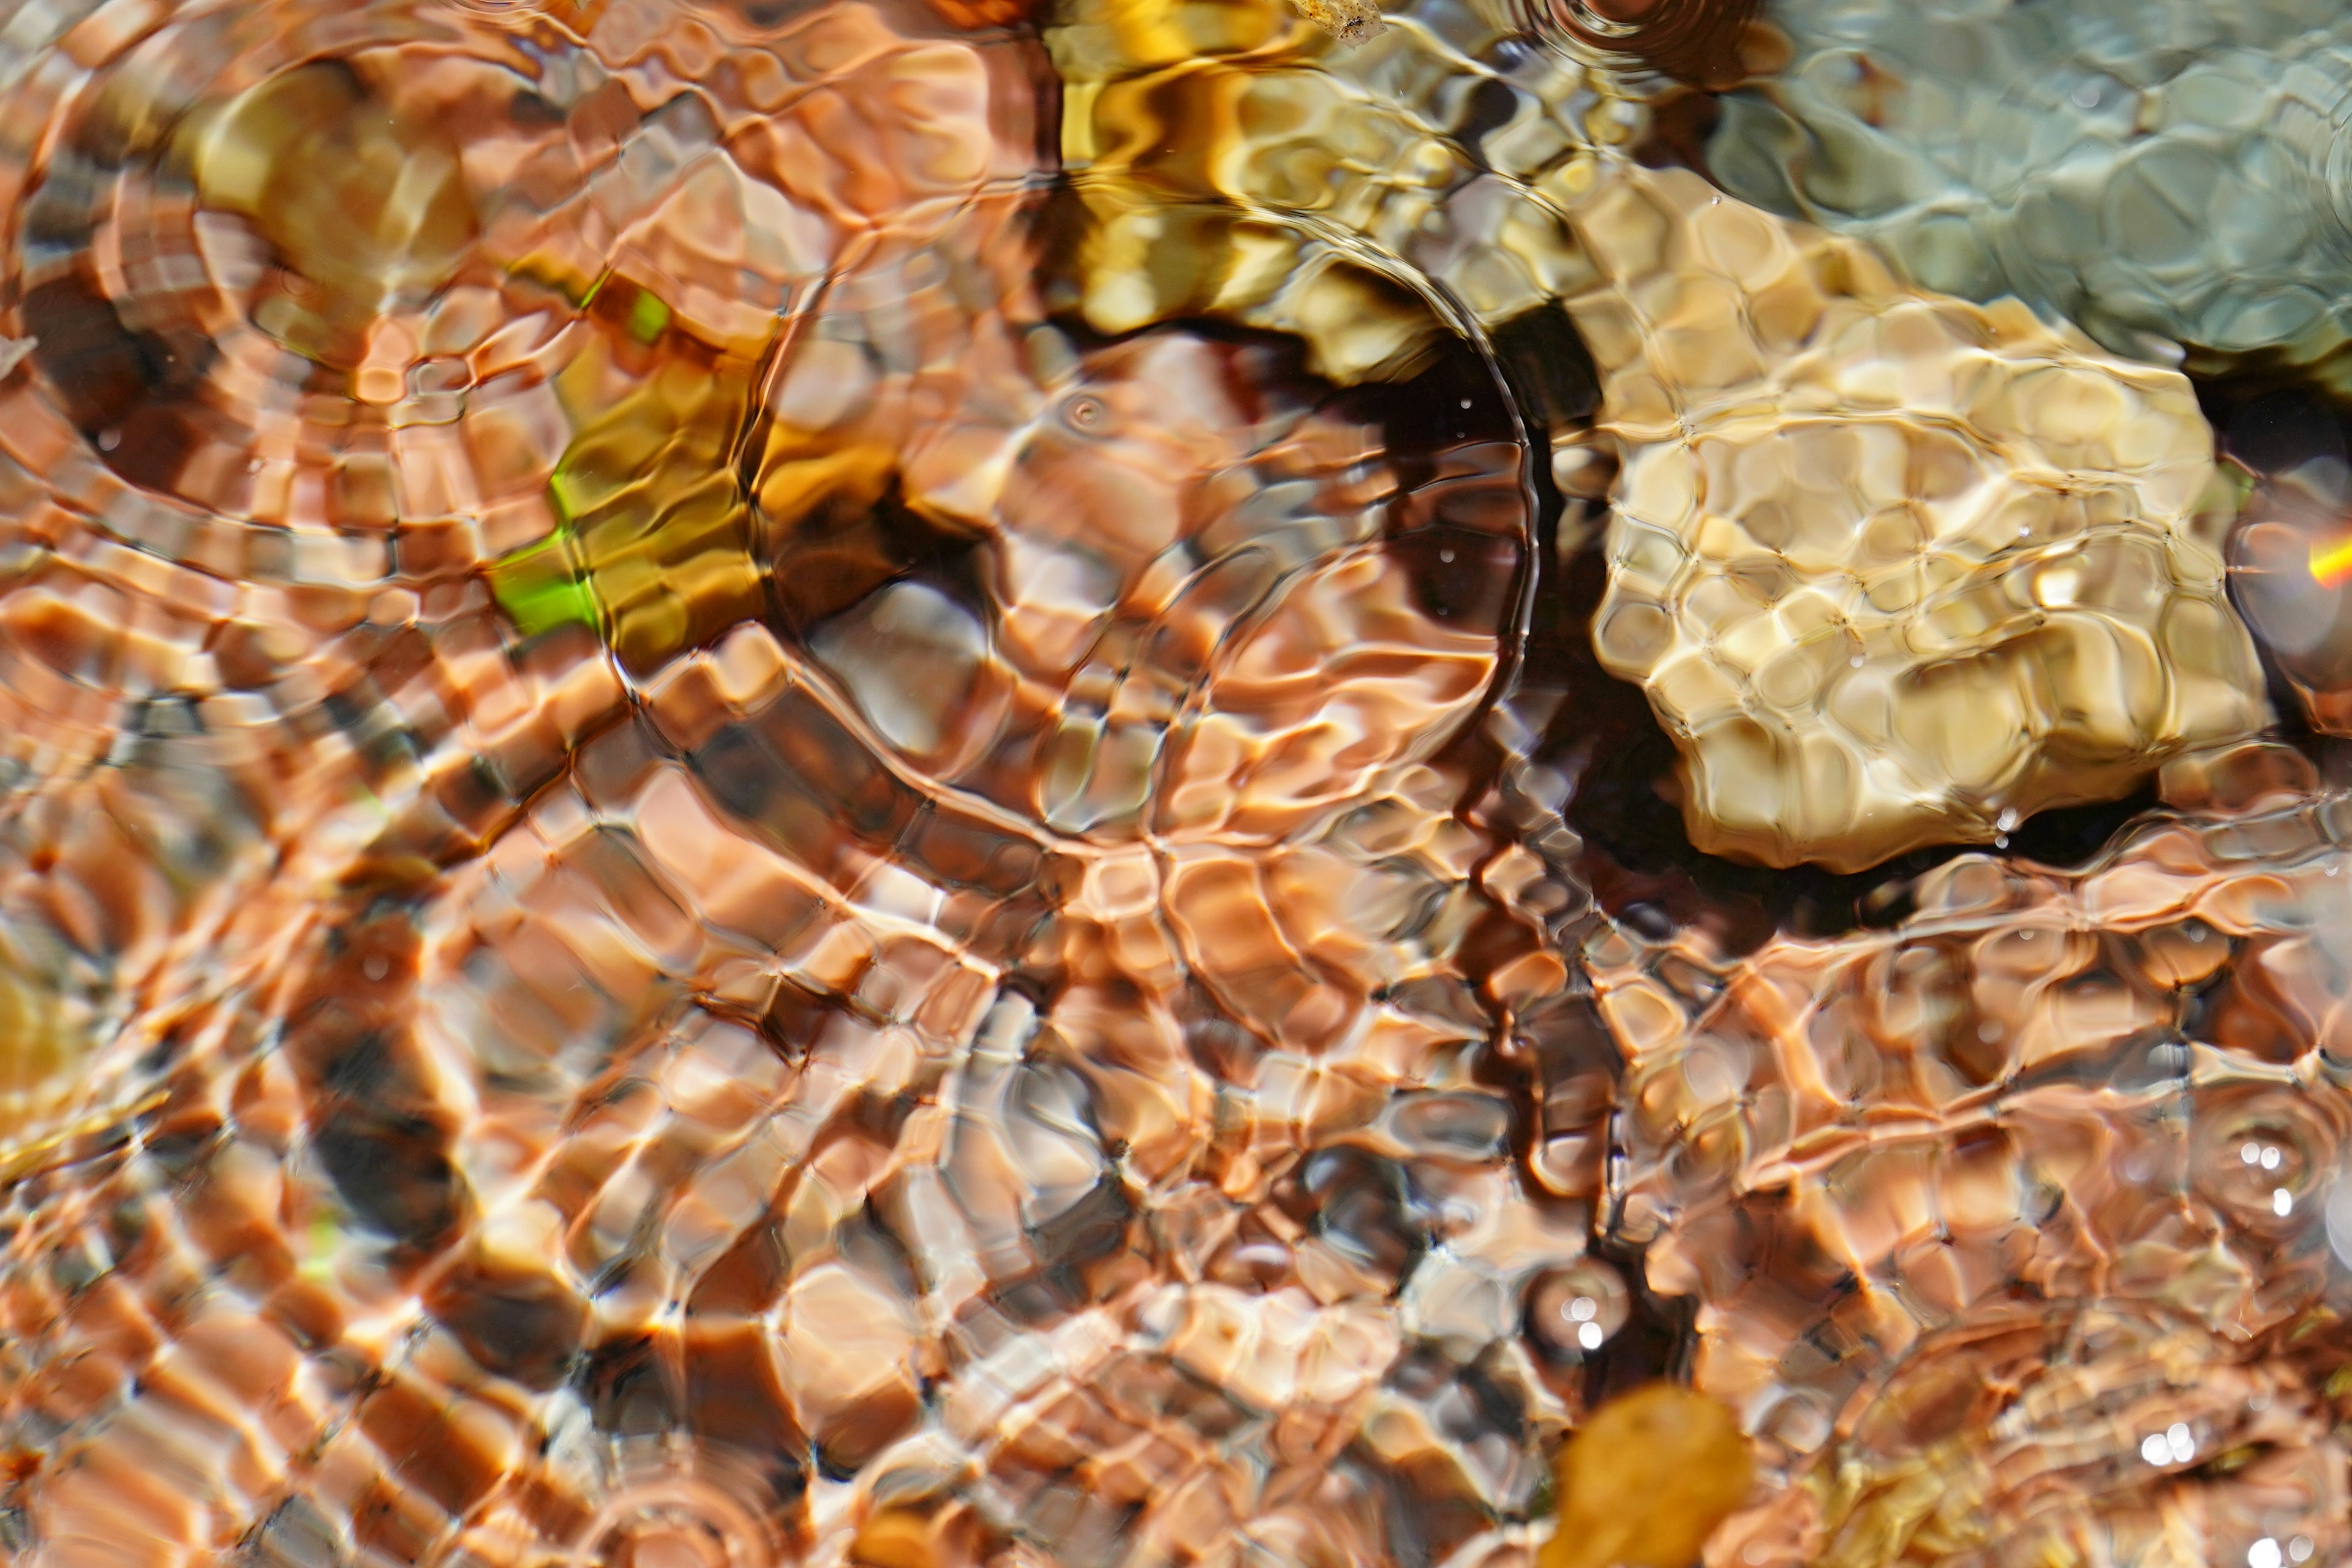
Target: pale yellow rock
[[44, 1047], [1893, 569], [1349, 21]]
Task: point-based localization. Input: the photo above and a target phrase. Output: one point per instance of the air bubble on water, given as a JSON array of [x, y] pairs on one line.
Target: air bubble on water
[[1583, 1309], [2270, 1159], [2298, 1549]]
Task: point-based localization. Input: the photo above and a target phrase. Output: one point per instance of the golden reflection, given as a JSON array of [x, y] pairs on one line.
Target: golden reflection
[[655, 545], [40, 1052], [1231, 160]]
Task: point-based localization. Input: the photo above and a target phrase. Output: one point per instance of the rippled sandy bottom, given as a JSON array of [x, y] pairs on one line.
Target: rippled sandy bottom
[[909, 785]]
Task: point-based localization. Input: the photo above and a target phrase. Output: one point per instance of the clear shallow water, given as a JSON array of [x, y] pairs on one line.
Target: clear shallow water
[[912, 784]]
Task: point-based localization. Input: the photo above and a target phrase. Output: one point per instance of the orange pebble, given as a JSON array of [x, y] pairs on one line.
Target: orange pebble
[[1644, 1482], [894, 1538]]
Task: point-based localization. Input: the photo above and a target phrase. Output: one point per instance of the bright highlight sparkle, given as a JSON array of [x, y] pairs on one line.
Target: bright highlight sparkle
[[2332, 564]]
